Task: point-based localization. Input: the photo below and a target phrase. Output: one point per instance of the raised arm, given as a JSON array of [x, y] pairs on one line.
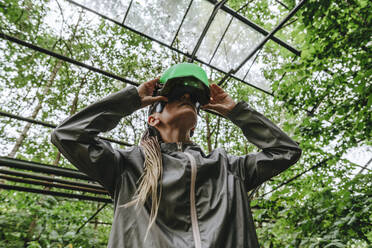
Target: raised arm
[[278, 150], [77, 136]]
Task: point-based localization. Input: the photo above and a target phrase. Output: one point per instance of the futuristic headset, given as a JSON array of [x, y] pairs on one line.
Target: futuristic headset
[[180, 79]]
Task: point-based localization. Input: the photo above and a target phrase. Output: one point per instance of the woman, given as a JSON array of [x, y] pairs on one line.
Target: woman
[[167, 192]]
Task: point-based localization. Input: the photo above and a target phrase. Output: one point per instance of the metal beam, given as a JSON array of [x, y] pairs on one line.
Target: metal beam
[[225, 8], [148, 37], [17, 117], [100, 223], [217, 6], [55, 193], [92, 68], [39, 49], [227, 27], [126, 13], [64, 58], [45, 124], [94, 215], [250, 196], [324, 161], [365, 167], [271, 34], [220, 41], [50, 179], [52, 185], [312, 168], [282, 4], [257, 28], [254, 60], [244, 5], [179, 27], [262, 43], [173, 48], [44, 168]]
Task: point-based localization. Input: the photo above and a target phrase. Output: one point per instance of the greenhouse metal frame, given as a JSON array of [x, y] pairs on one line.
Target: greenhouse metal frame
[[78, 182]]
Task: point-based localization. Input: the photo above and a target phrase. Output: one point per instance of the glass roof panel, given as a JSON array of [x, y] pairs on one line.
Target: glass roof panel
[[257, 78], [114, 9], [272, 11], [213, 36], [238, 42], [252, 73], [159, 19], [193, 26]]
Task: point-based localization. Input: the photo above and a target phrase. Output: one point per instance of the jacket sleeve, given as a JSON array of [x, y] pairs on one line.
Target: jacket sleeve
[[278, 150], [77, 136]]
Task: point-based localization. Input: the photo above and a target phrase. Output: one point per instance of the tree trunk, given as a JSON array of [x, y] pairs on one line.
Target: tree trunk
[[73, 110], [27, 127], [30, 232], [56, 68], [217, 132], [209, 143]]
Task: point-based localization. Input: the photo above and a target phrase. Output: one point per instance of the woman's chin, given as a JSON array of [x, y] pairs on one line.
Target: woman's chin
[[187, 116]]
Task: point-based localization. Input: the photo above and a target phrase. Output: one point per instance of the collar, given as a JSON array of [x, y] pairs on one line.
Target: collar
[[177, 146]]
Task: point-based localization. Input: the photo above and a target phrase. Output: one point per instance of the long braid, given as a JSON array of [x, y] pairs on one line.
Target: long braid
[[153, 170]]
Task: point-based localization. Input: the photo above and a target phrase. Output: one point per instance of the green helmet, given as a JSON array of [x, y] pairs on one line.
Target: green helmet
[[186, 75]]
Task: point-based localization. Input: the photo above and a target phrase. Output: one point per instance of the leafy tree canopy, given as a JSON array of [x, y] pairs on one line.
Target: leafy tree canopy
[[322, 99]]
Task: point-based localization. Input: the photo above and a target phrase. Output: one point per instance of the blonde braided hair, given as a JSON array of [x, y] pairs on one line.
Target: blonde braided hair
[[152, 174]]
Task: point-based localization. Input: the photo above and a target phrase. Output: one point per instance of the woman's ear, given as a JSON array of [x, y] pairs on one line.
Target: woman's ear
[[192, 130], [153, 121]]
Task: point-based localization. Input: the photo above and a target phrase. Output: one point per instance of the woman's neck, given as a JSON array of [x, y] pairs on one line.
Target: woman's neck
[[173, 135]]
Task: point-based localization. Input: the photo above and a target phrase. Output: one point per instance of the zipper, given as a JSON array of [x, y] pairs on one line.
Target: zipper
[[194, 218], [179, 146]]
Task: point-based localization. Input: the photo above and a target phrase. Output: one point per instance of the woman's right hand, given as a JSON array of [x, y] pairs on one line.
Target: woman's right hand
[[145, 91]]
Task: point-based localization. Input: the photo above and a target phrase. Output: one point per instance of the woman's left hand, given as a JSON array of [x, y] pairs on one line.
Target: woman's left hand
[[145, 91], [220, 101]]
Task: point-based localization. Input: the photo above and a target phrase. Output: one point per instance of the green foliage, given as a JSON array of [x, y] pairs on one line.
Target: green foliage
[[328, 218], [323, 102], [28, 220], [332, 78]]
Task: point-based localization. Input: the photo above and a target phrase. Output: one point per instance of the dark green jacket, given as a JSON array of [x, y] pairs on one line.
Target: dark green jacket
[[204, 200]]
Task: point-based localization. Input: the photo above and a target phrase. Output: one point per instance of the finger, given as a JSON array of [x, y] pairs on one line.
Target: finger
[[159, 98], [205, 107], [150, 99], [152, 83], [216, 107], [217, 92], [213, 90], [211, 100], [217, 88], [210, 106]]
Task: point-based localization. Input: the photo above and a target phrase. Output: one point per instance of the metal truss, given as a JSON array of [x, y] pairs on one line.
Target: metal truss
[[57, 177], [228, 10], [262, 43], [217, 6], [45, 124], [91, 217], [183, 19], [47, 181], [256, 27], [65, 58]]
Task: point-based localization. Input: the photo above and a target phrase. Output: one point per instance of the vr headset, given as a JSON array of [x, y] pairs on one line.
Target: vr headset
[[181, 79]]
